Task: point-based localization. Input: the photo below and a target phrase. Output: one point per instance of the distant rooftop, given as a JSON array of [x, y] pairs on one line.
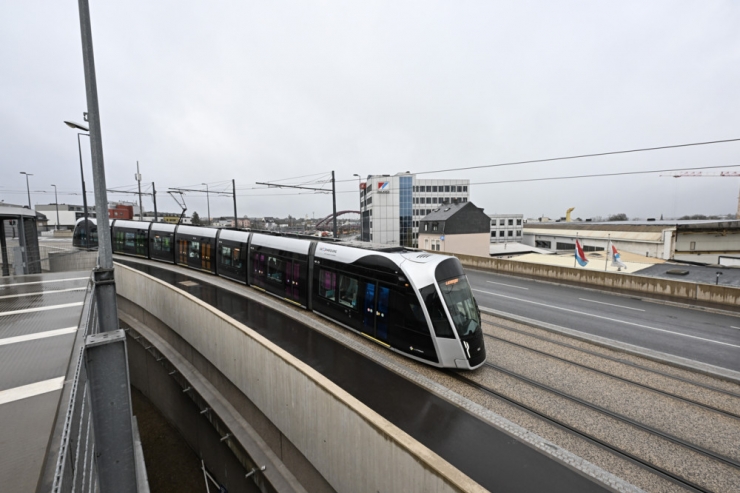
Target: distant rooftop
[[638, 225]]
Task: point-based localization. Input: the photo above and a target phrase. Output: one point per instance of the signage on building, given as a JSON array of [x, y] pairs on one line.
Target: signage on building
[[384, 186]]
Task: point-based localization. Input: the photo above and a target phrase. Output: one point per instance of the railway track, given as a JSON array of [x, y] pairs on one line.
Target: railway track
[[676, 449]]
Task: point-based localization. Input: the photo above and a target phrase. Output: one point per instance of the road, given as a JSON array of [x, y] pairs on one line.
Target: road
[[694, 334]]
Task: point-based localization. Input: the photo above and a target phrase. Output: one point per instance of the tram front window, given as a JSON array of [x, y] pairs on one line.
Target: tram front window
[[461, 305]]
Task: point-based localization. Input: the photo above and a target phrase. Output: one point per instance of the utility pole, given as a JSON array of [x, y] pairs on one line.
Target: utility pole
[[56, 202], [105, 358], [334, 203], [138, 179], [27, 188], [208, 202], [233, 190], [154, 199]]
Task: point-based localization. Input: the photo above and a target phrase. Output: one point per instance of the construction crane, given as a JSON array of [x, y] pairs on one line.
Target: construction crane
[[721, 174]]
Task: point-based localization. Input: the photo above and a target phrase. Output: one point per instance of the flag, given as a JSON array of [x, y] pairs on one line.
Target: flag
[[616, 258], [580, 255]]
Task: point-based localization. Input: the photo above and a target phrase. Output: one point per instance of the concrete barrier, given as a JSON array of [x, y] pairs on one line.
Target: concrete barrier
[[629, 283], [353, 447]]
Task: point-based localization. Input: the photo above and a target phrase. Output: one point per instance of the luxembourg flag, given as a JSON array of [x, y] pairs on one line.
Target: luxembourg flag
[[580, 255], [616, 258]]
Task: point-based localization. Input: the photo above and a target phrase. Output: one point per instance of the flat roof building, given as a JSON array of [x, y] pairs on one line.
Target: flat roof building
[[702, 241], [392, 206], [506, 228]]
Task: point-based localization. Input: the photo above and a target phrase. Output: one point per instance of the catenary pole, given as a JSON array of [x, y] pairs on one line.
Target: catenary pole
[[233, 190], [154, 199], [138, 180], [334, 203], [84, 193]]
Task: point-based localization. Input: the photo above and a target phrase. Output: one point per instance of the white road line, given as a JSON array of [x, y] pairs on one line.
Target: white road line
[[610, 304], [607, 318], [37, 335], [39, 293], [40, 309], [510, 285], [733, 327], [43, 282], [31, 390]]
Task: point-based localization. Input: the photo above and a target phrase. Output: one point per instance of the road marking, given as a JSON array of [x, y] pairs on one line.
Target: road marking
[[37, 335], [41, 309], [611, 304], [510, 285], [39, 293], [733, 327], [43, 282], [31, 390], [607, 318]]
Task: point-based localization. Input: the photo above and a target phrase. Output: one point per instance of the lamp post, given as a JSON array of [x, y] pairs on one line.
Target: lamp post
[[208, 201], [28, 189], [79, 126], [56, 203], [359, 186]]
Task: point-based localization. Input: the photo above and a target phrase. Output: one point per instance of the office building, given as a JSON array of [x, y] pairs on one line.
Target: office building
[[392, 206], [506, 228]]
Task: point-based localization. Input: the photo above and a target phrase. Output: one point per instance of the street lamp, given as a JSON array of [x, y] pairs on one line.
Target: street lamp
[[208, 201], [56, 203], [359, 186], [28, 189], [79, 126]]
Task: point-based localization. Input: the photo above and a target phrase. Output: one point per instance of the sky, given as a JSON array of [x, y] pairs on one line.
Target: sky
[[206, 92]]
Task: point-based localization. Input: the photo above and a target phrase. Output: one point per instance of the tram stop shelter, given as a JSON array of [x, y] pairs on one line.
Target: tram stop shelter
[[19, 241]]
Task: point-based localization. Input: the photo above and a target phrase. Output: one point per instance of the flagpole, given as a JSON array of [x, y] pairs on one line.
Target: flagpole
[[608, 244], [575, 252]]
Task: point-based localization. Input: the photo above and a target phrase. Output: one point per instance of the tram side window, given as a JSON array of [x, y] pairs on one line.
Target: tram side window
[[157, 243], [275, 269], [194, 250], [130, 240], [237, 258], [348, 288], [327, 284], [407, 313], [440, 322], [226, 256]]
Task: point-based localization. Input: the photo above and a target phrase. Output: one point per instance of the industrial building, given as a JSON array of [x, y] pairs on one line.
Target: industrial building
[[506, 228], [392, 206], [702, 241], [68, 214]]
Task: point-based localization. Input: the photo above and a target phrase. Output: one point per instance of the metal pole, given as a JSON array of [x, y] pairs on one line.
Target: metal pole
[[27, 188], [4, 249], [154, 199], [208, 201], [334, 203], [606, 262], [233, 189], [84, 193], [138, 180], [109, 395], [359, 186], [56, 202]]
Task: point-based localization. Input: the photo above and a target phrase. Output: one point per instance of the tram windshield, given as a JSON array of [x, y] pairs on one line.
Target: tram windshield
[[461, 305]]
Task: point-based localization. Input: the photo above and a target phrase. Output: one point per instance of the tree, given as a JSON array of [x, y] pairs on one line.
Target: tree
[[196, 219], [618, 217]]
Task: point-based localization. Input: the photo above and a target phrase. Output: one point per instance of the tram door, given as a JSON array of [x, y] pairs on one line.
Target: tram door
[[375, 311], [292, 280]]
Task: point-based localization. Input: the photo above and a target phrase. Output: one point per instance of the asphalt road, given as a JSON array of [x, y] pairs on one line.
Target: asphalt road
[[697, 335]]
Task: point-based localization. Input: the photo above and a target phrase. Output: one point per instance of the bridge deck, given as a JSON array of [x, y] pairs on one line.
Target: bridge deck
[[39, 315]]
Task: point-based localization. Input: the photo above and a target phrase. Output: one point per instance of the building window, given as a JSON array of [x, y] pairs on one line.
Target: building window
[[501, 233], [511, 233], [692, 246], [518, 222], [434, 189], [429, 188], [511, 222], [435, 226], [426, 227], [542, 244], [518, 232], [465, 199], [465, 188], [429, 200], [371, 224], [429, 211], [447, 188], [459, 189], [493, 234]]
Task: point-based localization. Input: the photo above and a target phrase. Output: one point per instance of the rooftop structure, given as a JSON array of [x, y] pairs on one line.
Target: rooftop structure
[[460, 228]]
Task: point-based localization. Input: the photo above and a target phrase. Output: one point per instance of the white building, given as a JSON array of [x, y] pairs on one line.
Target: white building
[[68, 214], [392, 206], [506, 228]]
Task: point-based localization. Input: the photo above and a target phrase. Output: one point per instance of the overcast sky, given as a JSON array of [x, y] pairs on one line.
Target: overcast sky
[[202, 91]]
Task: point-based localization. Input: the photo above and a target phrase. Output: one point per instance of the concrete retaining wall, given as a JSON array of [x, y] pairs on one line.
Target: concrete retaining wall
[[352, 447], [651, 286]]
